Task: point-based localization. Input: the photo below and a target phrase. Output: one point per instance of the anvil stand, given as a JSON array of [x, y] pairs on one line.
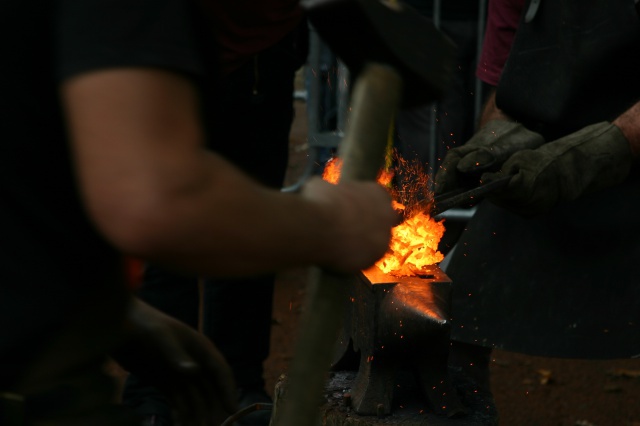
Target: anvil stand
[[390, 360]]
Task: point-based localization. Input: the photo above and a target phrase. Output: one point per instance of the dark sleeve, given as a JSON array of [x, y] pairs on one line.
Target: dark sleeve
[[502, 21], [98, 34]]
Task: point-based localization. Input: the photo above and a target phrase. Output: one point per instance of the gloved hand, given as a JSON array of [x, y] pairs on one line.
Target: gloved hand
[[182, 363], [486, 151], [593, 158]]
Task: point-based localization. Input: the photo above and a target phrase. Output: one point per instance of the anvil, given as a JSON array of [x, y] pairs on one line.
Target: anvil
[[398, 323]]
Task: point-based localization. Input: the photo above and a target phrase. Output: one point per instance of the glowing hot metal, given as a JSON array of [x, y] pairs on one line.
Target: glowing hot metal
[[414, 243]]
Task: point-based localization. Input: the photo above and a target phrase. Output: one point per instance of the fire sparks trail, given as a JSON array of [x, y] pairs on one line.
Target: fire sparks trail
[[414, 243]]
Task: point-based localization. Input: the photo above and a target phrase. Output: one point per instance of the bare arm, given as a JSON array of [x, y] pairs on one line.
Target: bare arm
[[629, 124], [155, 192], [490, 111]]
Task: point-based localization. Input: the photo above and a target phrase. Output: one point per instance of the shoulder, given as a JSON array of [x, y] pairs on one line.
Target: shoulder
[[97, 34]]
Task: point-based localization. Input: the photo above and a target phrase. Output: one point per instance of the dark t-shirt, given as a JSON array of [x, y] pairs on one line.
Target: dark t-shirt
[[245, 27], [54, 263]]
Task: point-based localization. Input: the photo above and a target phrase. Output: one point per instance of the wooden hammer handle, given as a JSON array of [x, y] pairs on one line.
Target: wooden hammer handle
[[374, 102]]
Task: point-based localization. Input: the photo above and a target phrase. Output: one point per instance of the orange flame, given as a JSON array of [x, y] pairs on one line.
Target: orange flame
[[414, 243]]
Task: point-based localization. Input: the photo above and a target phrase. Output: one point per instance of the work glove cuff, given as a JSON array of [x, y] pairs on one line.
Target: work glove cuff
[[595, 157]]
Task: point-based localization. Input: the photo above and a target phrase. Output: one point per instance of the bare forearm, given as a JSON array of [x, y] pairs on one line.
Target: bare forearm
[[220, 222], [629, 124], [155, 192], [491, 111], [225, 224]]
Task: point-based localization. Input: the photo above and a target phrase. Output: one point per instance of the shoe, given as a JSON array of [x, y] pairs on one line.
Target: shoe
[[261, 417]]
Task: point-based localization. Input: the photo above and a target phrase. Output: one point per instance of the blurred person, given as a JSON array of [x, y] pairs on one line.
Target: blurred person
[[546, 266], [261, 45], [104, 153]]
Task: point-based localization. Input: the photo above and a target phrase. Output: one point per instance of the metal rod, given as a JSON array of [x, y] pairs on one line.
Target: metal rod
[[472, 196], [313, 82], [342, 98], [433, 143], [482, 16]]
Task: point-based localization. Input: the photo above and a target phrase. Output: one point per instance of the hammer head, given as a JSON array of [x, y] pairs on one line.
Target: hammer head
[[388, 32]]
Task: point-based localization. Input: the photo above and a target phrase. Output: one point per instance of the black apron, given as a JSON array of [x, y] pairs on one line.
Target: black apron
[[575, 63], [566, 284]]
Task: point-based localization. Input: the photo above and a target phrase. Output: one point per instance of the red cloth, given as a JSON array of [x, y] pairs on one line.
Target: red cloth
[[502, 21], [246, 27]]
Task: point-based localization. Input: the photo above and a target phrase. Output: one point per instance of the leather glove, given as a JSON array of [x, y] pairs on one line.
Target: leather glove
[[593, 158], [486, 151], [182, 363]]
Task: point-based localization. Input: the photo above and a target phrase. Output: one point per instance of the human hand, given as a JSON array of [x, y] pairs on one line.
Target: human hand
[[593, 158], [182, 363], [359, 221], [486, 151]]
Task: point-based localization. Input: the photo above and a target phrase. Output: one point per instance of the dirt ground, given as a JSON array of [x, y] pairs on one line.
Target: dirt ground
[[529, 391]]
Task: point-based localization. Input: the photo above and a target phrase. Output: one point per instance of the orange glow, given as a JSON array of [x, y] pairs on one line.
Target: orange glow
[[414, 243], [331, 172]]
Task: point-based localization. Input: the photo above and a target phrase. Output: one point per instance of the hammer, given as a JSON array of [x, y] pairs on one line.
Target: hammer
[[397, 57]]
